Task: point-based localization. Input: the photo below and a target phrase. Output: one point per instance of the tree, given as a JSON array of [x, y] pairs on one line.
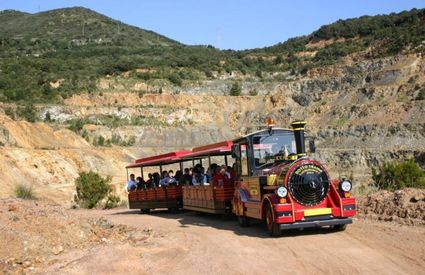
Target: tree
[[236, 89], [91, 188], [48, 117], [278, 60]]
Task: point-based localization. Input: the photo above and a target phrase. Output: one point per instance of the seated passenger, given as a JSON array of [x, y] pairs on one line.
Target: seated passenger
[[221, 177], [167, 180], [228, 171], [140, 183], [149, 182], [131, 184], [199, 178], [212, 169], [186, 178], [178, 175], [156, 179], [202, 169], [171, 174]]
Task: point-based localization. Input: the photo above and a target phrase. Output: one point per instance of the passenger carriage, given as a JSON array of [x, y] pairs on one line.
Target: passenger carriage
[[157, 197], [209, 198], [204, 198]]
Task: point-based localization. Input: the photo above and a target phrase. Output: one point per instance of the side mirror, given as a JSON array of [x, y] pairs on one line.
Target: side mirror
[[236, 151], [312, 146]]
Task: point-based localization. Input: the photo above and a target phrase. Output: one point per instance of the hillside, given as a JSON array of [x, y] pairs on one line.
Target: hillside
[[77, 103], [62, 28], [77, 47]]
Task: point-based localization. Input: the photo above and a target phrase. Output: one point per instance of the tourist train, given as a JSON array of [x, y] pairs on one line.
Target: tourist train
[[271, 178]]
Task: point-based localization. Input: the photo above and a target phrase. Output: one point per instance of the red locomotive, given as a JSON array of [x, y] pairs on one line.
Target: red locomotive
[[273, 181]]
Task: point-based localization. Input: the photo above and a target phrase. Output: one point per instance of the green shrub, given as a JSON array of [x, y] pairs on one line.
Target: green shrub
[[236, 89], [253, 92], [24, 191], [421, 95], [175, 79], [48, 117], [99, 141], [76, 125], [413, 79], [91, 189], [27, 112], [85, 134], [278, 60], [208, 74], [117, 140], [112, 201], [9, 112], [259, 74], [398, 175]]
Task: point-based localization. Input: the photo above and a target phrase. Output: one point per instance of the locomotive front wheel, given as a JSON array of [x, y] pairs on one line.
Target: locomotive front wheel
[[272, 226], [340, 227]]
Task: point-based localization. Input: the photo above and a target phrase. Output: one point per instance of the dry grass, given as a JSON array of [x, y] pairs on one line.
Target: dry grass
[[24, 191]]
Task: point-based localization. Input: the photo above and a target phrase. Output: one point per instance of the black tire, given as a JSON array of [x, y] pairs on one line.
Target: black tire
[[340, 227], [145, 211], [243, 221], [272, 227], [173, 210]]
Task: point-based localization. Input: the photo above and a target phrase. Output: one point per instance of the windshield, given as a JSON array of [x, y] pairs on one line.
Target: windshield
[[270, 149]]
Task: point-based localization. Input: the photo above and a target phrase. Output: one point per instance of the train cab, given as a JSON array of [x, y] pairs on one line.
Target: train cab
[[278, 183]]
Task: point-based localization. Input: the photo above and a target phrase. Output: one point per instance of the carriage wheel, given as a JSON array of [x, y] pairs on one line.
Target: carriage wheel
[[145, 210], [243, 221], [173, 210]]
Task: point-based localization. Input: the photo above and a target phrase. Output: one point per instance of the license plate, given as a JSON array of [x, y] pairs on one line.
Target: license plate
[[317, 212]]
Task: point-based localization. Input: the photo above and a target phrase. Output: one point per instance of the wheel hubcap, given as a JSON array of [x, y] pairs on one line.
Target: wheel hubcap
[[269, 220]]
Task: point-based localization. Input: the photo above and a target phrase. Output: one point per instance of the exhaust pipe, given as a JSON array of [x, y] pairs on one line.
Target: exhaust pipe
[[298, 128]]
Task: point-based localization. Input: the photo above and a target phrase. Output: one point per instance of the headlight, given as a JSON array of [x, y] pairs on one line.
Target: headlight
[[282, 192], [345, 186]]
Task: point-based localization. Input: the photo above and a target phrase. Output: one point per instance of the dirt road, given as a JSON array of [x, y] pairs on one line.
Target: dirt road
[[191, 243]]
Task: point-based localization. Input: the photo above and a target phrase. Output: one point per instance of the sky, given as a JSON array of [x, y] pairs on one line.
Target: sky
[[226, 24]]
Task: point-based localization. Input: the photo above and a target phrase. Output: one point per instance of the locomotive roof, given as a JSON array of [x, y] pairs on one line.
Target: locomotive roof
[[261, 132]]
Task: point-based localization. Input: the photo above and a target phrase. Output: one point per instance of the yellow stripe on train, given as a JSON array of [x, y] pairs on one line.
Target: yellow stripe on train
[[317, 212]]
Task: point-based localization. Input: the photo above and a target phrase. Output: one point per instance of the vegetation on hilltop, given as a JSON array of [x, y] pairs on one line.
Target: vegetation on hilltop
[[76, 46]]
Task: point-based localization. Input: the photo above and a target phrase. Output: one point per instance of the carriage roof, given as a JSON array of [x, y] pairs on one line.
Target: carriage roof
[[168, 158], [216, 149]]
